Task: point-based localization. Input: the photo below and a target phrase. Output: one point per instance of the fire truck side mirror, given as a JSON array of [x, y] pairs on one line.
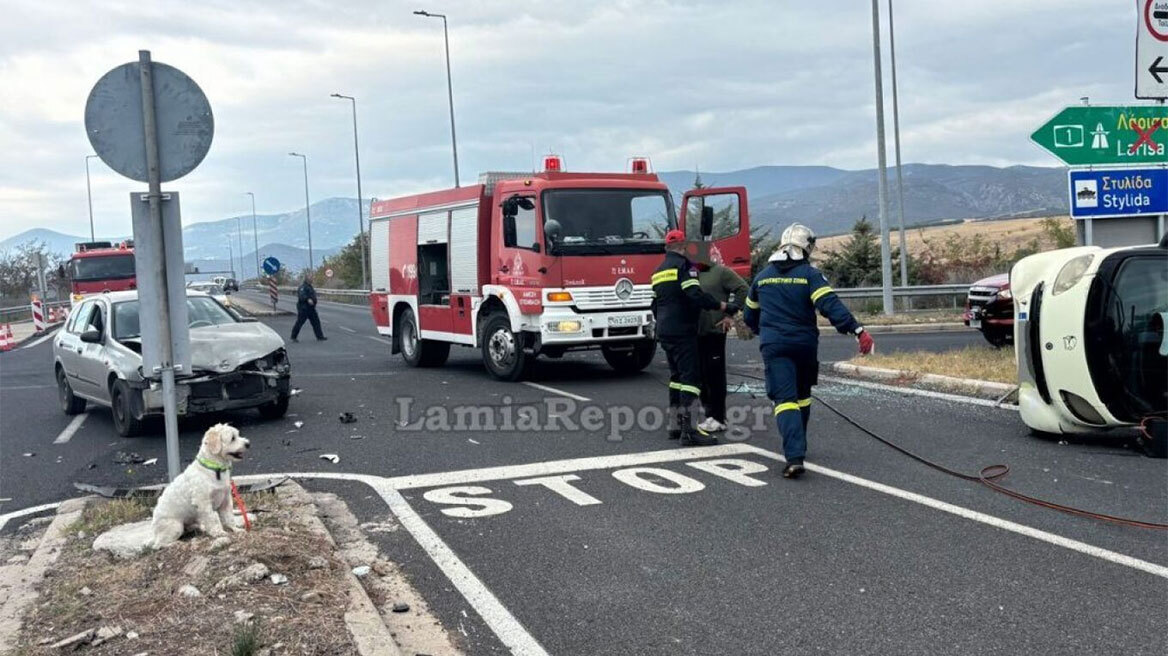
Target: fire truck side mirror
[[707, 221], [509, 236], [61, 271]]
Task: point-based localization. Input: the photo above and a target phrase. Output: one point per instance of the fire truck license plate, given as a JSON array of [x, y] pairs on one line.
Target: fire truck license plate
[[624, 320]]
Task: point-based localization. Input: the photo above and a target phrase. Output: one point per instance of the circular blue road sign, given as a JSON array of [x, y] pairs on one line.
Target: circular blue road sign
[[271, 266]]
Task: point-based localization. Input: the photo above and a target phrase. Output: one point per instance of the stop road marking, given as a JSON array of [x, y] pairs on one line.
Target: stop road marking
[[471, 501]]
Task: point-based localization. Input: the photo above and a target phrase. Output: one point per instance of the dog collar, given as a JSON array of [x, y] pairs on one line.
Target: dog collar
[[213, 466]]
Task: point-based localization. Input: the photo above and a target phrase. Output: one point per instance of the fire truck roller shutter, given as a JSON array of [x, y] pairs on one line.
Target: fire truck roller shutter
[[432, 228], [379, 254], [464, 244]]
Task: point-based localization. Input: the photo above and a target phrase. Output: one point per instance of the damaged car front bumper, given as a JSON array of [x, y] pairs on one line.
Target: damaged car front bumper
[[255, 383]]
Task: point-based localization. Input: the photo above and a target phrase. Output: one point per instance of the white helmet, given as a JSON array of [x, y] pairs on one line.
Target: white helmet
[[796, 243]]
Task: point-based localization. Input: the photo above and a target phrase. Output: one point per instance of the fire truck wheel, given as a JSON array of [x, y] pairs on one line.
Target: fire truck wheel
[[630, 359], [418, 352], [503, 354]]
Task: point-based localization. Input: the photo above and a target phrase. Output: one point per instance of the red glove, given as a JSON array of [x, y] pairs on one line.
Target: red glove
[[867, 344]]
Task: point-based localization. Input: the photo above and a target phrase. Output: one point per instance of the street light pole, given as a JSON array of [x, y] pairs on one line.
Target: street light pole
[[239, 236], [230, 257], [307, 207], [89, 193], [896, 141], [255, 234], [360, 201], [882, 165], [449, 87]]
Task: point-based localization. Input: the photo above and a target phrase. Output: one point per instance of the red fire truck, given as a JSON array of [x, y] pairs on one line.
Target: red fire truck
[[99, 266], [529, 264]]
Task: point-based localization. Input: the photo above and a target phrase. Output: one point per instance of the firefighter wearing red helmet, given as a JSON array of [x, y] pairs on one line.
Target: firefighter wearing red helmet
[[678, 300]]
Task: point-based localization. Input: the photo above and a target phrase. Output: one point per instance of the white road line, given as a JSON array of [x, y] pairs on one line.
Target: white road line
[[989, 520], [346, 329], [25, 387], [27, 511], [956, 398], [506, 626], [557, 391], [535, 469], [39, 340], [67, 434], [379, 340]]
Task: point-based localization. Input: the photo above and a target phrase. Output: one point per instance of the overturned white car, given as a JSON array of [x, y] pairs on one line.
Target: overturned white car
[[236, 362], [1089, 336]]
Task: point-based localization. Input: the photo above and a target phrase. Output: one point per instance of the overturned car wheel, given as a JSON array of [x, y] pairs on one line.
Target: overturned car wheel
[[274, 409]]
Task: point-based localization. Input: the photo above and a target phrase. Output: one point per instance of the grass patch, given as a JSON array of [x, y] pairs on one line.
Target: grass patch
[[101, 516], [246, 641], [978, 362]]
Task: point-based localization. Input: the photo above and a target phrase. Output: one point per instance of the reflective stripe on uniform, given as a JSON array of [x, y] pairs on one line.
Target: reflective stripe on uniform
[[803, 403], [696, 391], [668, 275], [782, 407], [673, 385], [820, 293], [752, 304], [688, 283]]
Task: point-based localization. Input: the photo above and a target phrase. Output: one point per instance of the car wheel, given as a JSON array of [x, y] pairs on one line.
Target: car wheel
[[418, 352], [70, 404], [122, 410], [631, 358], [503, 353], [275, 409], [997, 337]]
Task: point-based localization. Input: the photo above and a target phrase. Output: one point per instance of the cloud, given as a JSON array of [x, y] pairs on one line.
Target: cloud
[[716, 85]]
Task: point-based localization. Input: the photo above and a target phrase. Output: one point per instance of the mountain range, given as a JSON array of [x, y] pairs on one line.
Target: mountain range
[[827, 199]]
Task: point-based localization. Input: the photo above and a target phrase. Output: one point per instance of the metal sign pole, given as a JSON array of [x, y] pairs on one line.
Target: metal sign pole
[[154, 179], [882, 166]]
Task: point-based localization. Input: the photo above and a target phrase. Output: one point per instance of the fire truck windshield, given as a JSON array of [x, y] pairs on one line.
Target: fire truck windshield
[[609, 221], [108, 267]]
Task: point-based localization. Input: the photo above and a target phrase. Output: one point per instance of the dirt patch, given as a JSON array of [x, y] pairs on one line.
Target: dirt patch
[[1010, 232], [977, 362], [87, 590]]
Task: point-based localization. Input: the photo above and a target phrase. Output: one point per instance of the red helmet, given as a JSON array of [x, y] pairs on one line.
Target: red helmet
[[674, 236]]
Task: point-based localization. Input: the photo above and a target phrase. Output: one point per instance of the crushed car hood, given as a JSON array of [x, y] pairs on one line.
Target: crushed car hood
[[224, 348]]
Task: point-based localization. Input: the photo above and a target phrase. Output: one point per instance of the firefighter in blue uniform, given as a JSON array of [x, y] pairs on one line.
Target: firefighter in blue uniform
[[781, 308], [678, 300]]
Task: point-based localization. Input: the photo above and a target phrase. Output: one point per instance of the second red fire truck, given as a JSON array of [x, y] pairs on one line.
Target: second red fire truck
[[529, 264]]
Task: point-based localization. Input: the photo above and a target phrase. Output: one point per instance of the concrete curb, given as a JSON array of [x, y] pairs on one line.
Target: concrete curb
[[18, 583], [253, 309], [370, 634], [969, 386], [905, 328]]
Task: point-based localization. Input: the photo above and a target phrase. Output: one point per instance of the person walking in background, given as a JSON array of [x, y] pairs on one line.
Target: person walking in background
[[306, 309], [780, 308], [724, 285]]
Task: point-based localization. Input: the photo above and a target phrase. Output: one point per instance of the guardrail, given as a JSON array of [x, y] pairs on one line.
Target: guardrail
[[853, 292], [18, 313]]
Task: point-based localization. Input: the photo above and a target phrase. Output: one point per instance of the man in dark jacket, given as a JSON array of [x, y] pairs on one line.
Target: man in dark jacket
[[678, 300], [781, 308], [306, 309], [724, 285]]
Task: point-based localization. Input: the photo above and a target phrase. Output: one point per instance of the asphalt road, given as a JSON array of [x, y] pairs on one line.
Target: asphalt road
[[548, 534]]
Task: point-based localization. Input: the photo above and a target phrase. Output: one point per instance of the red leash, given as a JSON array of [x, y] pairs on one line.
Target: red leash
[[239, 504]]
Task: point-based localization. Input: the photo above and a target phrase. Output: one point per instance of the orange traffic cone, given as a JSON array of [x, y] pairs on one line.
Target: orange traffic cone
[[7, 340]]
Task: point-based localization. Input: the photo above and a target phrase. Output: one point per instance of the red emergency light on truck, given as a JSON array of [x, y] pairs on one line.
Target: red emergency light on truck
[[523, 264], [100, 266]]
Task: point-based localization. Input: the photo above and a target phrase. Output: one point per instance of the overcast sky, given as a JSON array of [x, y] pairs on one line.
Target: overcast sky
[[718, 85]]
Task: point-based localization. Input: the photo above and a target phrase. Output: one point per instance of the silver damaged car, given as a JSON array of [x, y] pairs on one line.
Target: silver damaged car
[[236, 362]]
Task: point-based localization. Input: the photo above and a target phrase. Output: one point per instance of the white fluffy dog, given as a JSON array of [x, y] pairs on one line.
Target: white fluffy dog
[[201, 495]]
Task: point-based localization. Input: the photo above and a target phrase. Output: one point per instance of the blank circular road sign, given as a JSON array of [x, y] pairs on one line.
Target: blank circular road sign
[[113, 121]]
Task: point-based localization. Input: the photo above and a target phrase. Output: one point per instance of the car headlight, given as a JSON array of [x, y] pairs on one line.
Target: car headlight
[[1005, 295], [1071, 273]]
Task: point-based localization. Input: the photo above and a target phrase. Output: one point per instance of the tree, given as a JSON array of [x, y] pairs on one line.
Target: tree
[[18, 270], [1059, 232], [857, 262], [346, 266]]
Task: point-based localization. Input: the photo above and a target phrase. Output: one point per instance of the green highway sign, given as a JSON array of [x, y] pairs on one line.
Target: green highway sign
[[1107, 136]]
